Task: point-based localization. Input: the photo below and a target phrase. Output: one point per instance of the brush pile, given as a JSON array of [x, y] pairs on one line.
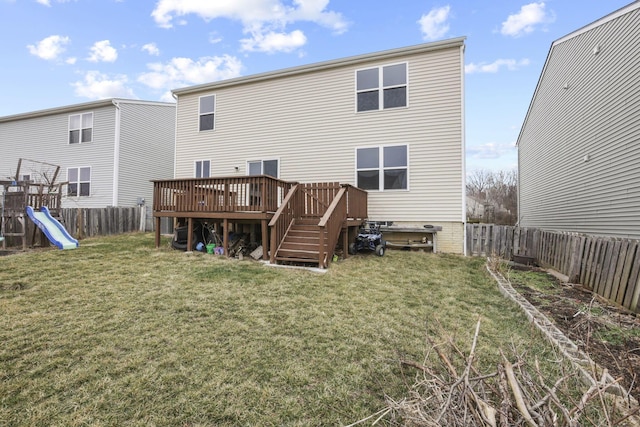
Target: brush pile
[[449, 390]]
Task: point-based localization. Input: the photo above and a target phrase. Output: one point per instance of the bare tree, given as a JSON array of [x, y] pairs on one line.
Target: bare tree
[[497, 192]]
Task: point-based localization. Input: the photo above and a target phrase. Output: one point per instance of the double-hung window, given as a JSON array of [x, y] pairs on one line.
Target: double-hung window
[[203, 168], [207, 112], [382, 168], [80, 128], [79, 181], [380, 88]]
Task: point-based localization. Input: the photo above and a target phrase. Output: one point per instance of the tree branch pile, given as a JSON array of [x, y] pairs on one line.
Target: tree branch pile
[[515, 394]]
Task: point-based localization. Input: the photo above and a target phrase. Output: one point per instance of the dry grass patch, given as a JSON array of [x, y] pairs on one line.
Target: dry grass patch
[[119, 333]]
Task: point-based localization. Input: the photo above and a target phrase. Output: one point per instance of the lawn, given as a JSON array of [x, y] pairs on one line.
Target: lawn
[[118, 333]]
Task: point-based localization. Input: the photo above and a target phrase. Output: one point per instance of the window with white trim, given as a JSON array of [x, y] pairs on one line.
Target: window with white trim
[[79, 182], [207, 112], [263, 167], [203, 168], [80, 128], [380, 88], [382, 168]]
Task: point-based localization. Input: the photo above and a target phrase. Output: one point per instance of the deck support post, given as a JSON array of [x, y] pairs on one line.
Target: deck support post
[[265, 239], [157, 232], [189, 234], [345, 241], [225, 236]]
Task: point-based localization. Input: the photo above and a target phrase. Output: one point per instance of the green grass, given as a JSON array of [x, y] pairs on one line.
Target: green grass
[[118, 333]]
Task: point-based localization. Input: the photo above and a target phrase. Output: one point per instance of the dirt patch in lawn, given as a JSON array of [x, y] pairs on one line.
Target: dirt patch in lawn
[[609, 334]]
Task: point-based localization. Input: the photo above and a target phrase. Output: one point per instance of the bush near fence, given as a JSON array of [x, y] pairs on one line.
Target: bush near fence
[[608, 266]]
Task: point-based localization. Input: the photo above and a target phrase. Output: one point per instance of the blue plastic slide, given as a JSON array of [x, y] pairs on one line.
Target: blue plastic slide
[[55, 232]]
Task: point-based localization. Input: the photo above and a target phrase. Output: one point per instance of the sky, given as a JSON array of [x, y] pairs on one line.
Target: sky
[[63, 52]]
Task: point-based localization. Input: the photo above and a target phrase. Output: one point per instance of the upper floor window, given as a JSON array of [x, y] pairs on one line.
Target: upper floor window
[[382, 168], [263, 167], [207, 112], [80, 128], [383, 87], [203, 168], [79, 181]]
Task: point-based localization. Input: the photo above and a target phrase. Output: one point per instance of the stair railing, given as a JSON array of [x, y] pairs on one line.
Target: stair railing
[[283, 219], [330, 226]]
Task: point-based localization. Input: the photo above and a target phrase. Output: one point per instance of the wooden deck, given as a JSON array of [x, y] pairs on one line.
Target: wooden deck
[[272, 203]]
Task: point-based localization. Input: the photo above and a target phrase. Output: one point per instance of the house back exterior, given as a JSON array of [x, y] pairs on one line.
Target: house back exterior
[[579, 147], [390, 122], [108, 150]]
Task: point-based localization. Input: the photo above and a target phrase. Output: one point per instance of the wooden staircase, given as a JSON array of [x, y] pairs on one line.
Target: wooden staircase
[[301, 244], [306, 227]]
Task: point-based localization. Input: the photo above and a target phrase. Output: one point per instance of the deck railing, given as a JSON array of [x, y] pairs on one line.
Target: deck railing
[[356, 202], [330, 226], [23, 194], [283, 218], [221, 194]]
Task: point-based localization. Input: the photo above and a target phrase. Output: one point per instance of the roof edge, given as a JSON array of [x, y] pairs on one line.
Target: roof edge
[[81, 106], [607, 18], [610, 17], [334, 63]]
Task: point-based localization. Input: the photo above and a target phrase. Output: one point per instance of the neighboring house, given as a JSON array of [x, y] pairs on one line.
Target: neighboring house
[[390, 122], [107, 150], [475, 208], [579, 147]]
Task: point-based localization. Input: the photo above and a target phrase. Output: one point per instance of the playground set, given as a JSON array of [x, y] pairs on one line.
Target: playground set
[[37, 196]]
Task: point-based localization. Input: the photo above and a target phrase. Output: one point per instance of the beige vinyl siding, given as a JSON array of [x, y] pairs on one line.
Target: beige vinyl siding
[[147, 135], [45, 138], [308, 121], [598, 116]]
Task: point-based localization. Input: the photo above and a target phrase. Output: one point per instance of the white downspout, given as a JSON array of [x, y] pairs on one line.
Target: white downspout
[[464, 156], [116, 154], [175, 138]]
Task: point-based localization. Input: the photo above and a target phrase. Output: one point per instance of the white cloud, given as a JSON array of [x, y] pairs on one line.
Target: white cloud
[[49, 48], [96, 85], [495, 66], [434, 24], [274, 42], [526, 20], [181, 72], [48, 2], [102, 51], [151, 49], [491, 150], [214, 38], [266, 20]]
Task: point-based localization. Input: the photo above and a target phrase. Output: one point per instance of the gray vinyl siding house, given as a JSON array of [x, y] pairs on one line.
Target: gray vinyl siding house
[[313, 123], [120, 146], [579, 147]]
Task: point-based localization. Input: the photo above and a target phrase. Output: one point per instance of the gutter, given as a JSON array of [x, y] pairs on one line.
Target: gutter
[[175, 138]]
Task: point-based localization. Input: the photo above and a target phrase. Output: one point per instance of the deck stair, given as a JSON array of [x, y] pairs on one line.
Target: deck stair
[[306, 228], [301, 244]]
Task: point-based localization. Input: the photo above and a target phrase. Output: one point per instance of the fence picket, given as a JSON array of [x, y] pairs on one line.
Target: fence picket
[[609, 267], [626, 272]]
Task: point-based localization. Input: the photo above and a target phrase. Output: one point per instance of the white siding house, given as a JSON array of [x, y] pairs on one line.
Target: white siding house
[[579, 146], [108, 150], [390, 122]]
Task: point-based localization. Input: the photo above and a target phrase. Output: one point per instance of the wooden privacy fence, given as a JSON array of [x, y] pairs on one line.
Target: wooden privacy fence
[[608, 266], [81, 222], [88, 222]]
